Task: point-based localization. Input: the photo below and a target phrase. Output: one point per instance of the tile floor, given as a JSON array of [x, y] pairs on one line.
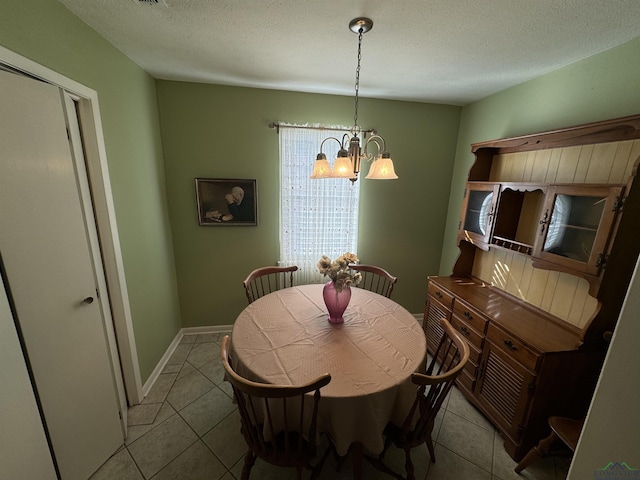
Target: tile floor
[[187, 428]]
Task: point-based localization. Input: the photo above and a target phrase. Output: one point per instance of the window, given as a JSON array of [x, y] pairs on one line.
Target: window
[[317, 217]]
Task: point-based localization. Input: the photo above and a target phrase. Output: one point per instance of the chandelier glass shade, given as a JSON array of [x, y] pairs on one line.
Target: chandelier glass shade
[[351, 154]]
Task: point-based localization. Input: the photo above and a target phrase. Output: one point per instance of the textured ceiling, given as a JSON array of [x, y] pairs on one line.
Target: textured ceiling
[[441, 51]]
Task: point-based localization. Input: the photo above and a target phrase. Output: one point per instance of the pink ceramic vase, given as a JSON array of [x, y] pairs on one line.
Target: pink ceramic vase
[[336, 301]]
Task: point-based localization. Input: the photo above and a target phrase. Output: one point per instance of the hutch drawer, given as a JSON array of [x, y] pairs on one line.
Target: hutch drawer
[[470, 315], [445, 298], [468, 333], [512, 347]]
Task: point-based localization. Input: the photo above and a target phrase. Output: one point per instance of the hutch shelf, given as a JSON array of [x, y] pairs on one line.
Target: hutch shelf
[[547, 249]]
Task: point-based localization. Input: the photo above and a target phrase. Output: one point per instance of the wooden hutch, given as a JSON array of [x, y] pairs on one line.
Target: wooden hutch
[[548, 242]]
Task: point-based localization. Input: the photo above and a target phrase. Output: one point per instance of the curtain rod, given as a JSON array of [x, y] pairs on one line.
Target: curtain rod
[[278, 126]]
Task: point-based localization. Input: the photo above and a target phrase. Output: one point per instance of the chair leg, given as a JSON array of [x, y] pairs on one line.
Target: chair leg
[[537, 452], [432, 452], [408, 465], [387, 444], [249, 460], [317, 468], [380, 465], [357, 457]]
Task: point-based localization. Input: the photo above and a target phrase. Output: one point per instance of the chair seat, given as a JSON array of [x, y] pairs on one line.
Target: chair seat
[[567, 429]]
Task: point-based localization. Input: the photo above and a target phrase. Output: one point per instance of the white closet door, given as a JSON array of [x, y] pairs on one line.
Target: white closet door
[[24, 452], [52, 279]]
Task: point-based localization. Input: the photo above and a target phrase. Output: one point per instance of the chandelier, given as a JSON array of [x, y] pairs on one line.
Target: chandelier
[[350, 155]]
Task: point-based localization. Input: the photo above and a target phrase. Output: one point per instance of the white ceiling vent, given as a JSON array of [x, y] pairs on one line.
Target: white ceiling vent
[[151, 2]]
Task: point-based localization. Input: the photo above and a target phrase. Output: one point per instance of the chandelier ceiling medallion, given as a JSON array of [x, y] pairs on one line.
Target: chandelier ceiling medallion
[[350, 154]]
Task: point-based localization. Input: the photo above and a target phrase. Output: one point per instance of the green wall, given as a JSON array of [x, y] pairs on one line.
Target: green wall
[[222, 132], [601, 87], [47, 33], [160, 135]]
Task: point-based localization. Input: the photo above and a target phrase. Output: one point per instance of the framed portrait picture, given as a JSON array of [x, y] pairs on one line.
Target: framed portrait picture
[[226, 201]]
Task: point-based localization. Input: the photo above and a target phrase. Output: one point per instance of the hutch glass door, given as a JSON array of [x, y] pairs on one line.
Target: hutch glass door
[[479, 207], [577, 224]]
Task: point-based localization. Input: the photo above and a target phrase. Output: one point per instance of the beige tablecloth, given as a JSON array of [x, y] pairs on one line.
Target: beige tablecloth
[[285, 338]]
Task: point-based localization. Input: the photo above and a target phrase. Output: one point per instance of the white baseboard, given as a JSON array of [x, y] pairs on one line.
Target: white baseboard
[[172, 348], [209, 329], [161, 364]]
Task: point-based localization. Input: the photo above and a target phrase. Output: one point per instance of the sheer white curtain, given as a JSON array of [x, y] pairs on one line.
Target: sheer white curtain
[[317, 217]]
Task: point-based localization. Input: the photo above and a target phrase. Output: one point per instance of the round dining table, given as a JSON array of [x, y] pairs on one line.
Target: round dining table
[[285, 338]]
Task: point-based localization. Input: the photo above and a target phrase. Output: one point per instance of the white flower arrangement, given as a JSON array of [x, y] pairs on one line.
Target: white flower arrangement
[[339, 270]]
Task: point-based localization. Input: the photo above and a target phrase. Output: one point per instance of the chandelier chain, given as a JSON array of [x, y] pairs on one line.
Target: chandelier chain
[[351, 153], [355, 116]]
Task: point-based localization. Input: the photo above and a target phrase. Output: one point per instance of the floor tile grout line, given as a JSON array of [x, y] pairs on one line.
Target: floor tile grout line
[[478, 411], [462, 456], [143, 424], [198, 437], [174, 458], [228, 469], [466, 459], [200, 396], [187, 422], [177, 374], [201, 437], [135, 463], [175, 412], [492, 429]]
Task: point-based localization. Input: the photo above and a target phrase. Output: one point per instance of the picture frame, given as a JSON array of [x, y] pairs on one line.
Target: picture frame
[[227, 201]]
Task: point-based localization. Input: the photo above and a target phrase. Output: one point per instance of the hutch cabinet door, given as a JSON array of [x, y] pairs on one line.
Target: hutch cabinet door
[[434, 332], [479, 206], [439, 303], [576, 226], [505, 389]]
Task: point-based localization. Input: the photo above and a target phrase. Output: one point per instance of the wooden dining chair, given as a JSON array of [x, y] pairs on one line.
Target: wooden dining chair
[[375, 279], [278, 422], [564, 431], [432, 388], [265, 280]]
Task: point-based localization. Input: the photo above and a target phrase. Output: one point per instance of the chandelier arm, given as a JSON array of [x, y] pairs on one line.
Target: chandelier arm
[[368, 156], [331, 138], [375, 138]]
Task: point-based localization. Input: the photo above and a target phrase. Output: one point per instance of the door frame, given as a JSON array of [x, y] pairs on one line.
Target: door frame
[[122, 347]]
